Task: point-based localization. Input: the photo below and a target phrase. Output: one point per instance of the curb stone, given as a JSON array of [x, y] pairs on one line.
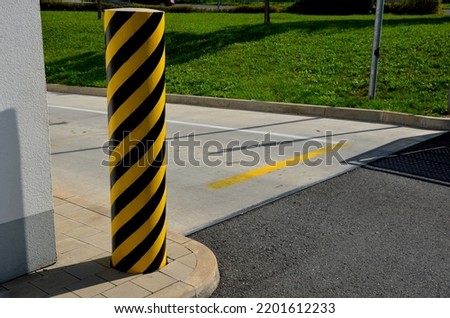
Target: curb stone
[[201, 282], [366, 115], [82, 269]]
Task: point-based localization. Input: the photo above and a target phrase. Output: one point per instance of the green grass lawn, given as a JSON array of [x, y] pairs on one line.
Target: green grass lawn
[[302, 59]]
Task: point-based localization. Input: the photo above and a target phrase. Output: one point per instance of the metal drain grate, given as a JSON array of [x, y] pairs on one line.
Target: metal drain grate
[[429, 161]]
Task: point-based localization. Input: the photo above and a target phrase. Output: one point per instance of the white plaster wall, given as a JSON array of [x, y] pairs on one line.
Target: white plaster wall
[[24, 191]]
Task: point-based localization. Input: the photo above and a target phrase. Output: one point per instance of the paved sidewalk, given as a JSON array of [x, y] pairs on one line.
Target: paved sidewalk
[[83, 227], [219, 160], [82, 270]]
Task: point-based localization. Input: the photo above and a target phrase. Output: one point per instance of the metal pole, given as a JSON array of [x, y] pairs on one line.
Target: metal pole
[[99, 9], [267, 11], [376, 48], [448, 107], [135, 64]]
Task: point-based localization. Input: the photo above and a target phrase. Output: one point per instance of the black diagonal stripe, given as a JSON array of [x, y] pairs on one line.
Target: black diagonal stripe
[[158, 259], [133, 44], [135, 80], [135, 118], [141, 217], [136, 254], [117, 21], [139, 150], [138, 185]]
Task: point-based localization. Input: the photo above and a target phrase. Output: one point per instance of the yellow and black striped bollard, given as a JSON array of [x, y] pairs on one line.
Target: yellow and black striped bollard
[[135, 64]]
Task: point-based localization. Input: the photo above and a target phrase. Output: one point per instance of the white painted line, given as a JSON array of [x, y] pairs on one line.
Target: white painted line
[[79, 109], [230, 129], [250, 131]]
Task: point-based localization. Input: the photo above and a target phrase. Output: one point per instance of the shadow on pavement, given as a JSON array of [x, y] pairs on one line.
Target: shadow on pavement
[[428, 161], [365, 233]]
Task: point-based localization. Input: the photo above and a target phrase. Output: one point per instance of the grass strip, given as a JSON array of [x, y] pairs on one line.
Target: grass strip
[[322, 60]]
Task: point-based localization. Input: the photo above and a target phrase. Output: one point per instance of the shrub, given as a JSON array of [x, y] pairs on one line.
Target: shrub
[[86, 6], [71, 6], [413, 6], [332, 7], [252, 9]]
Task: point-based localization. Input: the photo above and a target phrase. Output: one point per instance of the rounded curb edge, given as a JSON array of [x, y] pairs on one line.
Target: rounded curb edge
[[366, 115], [206, 276], [200, 283]]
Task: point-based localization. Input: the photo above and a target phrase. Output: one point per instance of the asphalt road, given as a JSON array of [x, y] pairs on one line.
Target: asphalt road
[[210, 176], [368, 233]]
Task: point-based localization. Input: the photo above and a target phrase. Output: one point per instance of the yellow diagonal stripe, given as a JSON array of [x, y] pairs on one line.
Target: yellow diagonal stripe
[[164, 258], [140, 234], [130, 210], [130, 27], [150, 256], [107, 19], [137, 98], [135, 137], [135, 61], [221, 184], [135, 171], [131, 127]]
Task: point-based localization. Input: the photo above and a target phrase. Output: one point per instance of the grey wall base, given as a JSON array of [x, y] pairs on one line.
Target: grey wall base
[[28, 244]]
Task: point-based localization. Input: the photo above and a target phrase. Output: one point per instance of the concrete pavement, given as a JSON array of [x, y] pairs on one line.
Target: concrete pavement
[[202, 194], [222, 162]]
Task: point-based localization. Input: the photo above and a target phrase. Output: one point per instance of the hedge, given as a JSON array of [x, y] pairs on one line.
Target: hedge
[[333, 7], [413, 6], [71, 6]]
